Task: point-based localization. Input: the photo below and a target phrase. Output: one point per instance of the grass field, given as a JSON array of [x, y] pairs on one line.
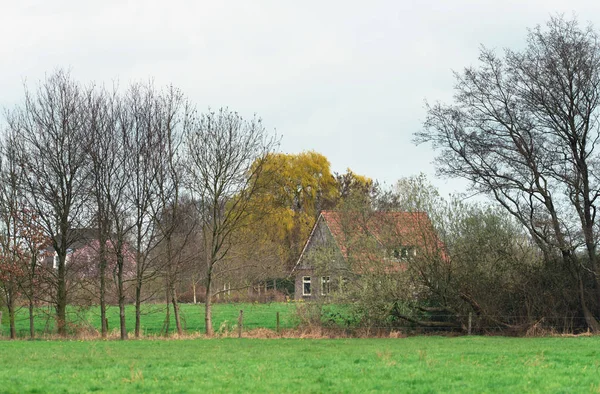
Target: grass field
[[416, 364], [153, 318]]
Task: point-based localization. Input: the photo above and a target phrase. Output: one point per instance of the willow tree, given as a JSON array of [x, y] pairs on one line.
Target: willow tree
[[295, 188]]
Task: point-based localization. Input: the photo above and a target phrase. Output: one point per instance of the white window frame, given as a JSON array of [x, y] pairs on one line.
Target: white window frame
[[404, 253], [305, 281], [325, 283]]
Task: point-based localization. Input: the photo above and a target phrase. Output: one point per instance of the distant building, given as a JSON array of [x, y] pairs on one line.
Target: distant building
[[343, 245]]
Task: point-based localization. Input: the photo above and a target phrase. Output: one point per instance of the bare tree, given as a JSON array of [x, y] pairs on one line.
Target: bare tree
[[523, 129], [226, 157], [172, 116], [34, 245], [51, 125], [103, 151], [22, 240], [11, 256], [138, 142], [152, 127]]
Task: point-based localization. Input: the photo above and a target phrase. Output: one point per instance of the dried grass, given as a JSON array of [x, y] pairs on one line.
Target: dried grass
[[87, 333], [309, 332]]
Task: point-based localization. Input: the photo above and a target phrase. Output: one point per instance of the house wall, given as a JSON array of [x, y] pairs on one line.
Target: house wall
[[321, 237]]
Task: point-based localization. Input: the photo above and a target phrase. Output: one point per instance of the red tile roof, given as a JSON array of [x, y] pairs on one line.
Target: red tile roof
[[390, 229]]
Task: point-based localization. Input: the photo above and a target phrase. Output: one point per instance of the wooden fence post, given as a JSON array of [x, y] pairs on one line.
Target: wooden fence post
[[240, 323], [277, 322]]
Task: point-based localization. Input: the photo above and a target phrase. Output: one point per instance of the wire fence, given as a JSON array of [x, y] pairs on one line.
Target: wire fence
[[158, 319]]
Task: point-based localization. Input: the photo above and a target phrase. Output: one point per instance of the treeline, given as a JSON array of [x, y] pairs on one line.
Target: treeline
[[181, 201], [466, 267], [523, 128], [117, 196]]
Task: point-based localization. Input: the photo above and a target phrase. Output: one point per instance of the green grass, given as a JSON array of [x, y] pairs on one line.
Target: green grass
[[225, 317], [416, 364]]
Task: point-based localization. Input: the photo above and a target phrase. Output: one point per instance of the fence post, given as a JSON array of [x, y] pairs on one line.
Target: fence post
[[240, 323], [470, 322], [277, 322], [0, 322]]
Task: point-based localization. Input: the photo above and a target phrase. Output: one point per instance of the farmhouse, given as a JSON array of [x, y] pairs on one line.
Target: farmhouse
[[343, 245], [83, 254]]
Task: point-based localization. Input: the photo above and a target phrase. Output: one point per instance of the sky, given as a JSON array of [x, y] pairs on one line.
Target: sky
[[348, 79]]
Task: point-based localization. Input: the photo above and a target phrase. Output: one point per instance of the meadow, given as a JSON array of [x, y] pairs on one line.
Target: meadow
[[414, 364], [225, 317]]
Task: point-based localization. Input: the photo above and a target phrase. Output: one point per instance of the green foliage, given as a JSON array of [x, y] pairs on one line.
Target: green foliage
[[419, 364], [481, 262]]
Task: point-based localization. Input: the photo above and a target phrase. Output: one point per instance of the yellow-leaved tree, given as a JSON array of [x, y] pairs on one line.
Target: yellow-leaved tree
[[299, 187]]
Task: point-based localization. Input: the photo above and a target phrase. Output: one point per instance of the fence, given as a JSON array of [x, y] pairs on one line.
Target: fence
[[232, 319], [225, 317]]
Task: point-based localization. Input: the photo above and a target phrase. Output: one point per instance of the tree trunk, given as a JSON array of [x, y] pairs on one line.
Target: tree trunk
[[122, 318], [208, 298], [208, 310], [138, 306], [31, 320], [167, 322], [590, 320], [30, 292], [176, 309], [104, 327], [61, 297], [121, 293], [11, 315], [102, 253]]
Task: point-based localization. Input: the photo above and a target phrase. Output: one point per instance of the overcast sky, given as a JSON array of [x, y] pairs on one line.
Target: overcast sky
[[347, 79]]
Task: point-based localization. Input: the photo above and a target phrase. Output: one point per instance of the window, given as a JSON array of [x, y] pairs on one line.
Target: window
[[405, 252], [306, 285], [343, 284], [324, 285]]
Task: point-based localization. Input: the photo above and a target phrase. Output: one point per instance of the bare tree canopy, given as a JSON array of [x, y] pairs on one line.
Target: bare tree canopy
[[523, 128], [226, 157], [50, 127]]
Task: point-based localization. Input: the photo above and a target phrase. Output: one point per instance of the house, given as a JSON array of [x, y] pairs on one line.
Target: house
[[342, 245], [81, 238], [83, 254]]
